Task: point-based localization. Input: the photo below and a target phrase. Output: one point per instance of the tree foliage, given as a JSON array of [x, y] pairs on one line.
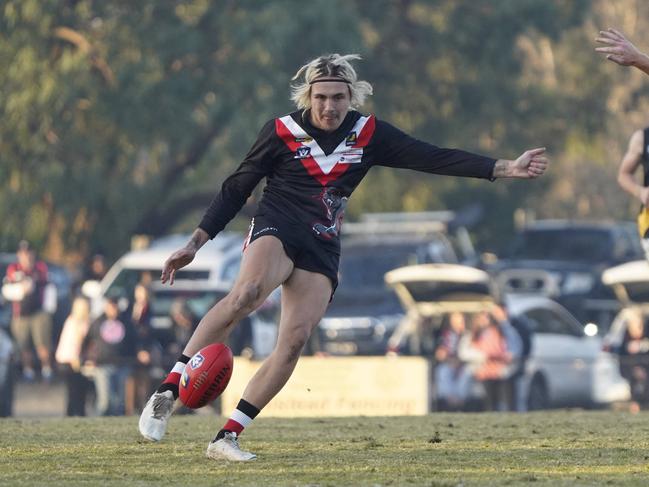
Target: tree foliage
[[123, 118]]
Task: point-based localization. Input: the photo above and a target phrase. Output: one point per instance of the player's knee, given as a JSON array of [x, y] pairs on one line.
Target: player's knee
[[246, 297]]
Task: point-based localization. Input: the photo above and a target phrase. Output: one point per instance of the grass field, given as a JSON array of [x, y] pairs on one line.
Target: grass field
[[536, 449]]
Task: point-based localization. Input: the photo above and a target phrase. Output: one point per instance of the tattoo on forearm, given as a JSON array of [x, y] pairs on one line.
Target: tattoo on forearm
[[196, 241], [500, 169]]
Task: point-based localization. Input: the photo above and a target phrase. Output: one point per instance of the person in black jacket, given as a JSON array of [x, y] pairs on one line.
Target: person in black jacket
[[312, 160], [110, 349]]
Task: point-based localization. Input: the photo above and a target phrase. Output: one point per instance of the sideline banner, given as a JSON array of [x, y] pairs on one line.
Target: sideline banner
[[342, 386]]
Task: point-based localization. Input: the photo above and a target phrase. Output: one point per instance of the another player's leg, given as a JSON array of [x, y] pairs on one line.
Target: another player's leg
[[264, 266], [305, 296]]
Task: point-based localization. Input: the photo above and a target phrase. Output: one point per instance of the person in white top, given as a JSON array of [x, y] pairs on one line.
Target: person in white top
[[68, 355]]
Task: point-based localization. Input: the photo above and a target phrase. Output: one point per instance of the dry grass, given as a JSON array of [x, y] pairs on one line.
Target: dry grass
[[540, 449]]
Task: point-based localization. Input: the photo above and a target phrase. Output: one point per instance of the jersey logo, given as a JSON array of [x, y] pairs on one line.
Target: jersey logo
[[352, 156], [302, 152], [326, 168], [351, 139]]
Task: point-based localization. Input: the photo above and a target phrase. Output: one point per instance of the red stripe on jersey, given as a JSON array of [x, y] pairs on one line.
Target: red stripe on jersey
[[314, 170], [366, 134], [310, 164], [285, 134]]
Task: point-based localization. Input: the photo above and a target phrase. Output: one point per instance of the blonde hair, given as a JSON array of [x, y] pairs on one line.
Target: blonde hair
[[332, 66]]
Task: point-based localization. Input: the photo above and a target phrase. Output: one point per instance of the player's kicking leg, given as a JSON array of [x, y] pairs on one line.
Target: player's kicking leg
[[305, 296], [264, 266]]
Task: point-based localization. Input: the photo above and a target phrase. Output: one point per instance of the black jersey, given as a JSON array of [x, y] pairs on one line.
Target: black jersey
[[311, 173]]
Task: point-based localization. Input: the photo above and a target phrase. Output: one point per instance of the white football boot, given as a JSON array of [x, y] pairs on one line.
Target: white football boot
[[156, 414], [227, 448]]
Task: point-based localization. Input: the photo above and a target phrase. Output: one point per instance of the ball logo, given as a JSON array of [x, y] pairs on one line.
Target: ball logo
[[184, 379], [196, 361]]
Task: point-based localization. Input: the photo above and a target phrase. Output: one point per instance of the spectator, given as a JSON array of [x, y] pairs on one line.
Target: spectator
[[184, 323], [486, 349], [89, 283], [6, 374], [452, 377], [148, 350], [68, 355], [94, 270], [26, 285], [174, 338], [110, 349], [98, 268], [524, 328], [515, 369], [634, 360]]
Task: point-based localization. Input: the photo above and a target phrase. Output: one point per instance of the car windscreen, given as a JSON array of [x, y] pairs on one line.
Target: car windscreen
[[638, 292], [127, 279], [431, 291], [569, 244], [198, 302], [362, 268]]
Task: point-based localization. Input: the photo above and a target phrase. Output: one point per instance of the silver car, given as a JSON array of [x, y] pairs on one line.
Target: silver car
[[567, 364]]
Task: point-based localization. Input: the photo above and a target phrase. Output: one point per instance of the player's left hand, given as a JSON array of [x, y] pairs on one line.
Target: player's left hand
[[530, 164], [618, 48]]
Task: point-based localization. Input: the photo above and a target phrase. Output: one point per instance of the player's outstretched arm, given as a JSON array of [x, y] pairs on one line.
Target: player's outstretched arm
[[180, 258], [621, 50], [630, 162], [529, 165]]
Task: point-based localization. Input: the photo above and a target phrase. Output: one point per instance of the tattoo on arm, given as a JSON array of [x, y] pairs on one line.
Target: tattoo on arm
[[500, 168], [198, 239]]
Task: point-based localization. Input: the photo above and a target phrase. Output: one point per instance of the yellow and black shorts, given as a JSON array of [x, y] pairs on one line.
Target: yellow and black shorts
[[643, 222]]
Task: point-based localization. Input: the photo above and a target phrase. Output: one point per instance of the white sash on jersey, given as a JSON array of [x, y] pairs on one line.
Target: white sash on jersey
[[343, 154]]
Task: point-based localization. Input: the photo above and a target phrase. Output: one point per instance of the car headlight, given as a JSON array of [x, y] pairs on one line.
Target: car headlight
[[578, 283]]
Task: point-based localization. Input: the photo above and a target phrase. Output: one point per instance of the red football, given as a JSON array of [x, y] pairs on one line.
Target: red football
[[206, 375]]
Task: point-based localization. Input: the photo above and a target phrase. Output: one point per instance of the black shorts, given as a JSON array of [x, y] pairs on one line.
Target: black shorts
[[300, 245]]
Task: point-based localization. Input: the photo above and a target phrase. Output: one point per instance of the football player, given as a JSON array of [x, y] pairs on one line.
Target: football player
[[312, 160]]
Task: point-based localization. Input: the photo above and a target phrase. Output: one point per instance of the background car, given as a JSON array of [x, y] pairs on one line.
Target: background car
[[364, 311], [630, 283], [566, 366], [564, 260], [216, 265]]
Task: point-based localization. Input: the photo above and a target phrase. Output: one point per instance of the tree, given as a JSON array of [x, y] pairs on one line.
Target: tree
[[121, 118]]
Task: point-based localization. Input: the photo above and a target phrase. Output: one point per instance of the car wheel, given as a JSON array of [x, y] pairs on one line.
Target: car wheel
[[538, 396]]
